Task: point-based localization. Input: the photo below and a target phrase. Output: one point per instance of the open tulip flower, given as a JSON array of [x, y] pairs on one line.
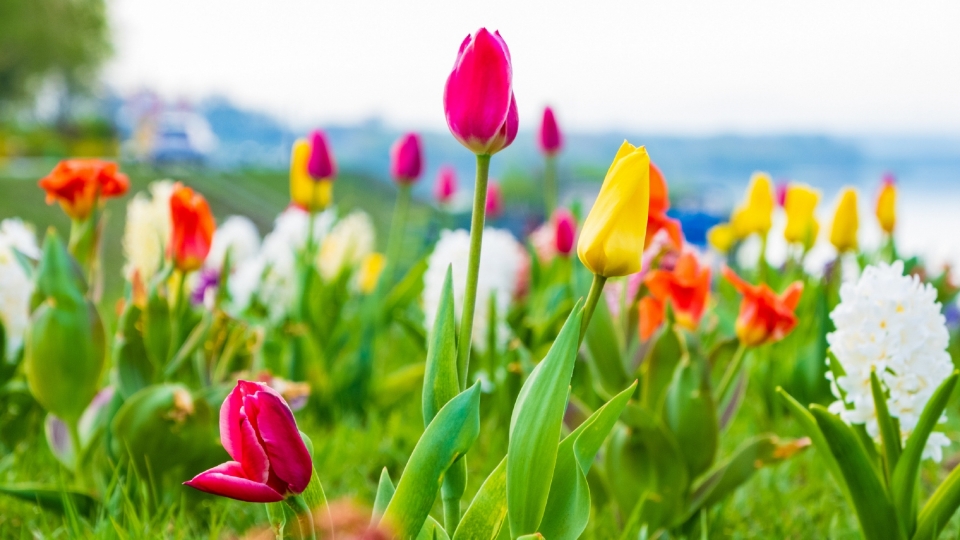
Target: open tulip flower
[[77, 184], [270, 460], [765, 317], [406, 159], [193, 228], [685, 287]]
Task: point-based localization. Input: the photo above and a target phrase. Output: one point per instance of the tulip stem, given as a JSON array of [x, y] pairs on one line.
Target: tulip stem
[[304, 516], [473, 268], [732, 368], [596, 289], [395, 241], [74, 432], [550, 191]]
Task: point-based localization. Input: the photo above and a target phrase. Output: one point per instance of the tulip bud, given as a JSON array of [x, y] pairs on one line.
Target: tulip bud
[[478, 100], [192, 228], [77, 183], [781, 192], [843, 232], [446, 186], [321, 165], [550, 137], [64, 347], [306, 192], [494, 200], [406, 159], [612, 237], [565, 229], [886, 204], [756, 214], [800, 204], [259, 432], [721, 237]]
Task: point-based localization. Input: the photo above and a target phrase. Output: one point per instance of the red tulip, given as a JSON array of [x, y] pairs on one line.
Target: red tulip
[[478, 99], [76, 184], [565, 229], [321, 164], [765, 317], [494, 200], [657, 218], [406, 159], [550, 137], [258, 430], [446, 186], [686, 287], [193, 228]]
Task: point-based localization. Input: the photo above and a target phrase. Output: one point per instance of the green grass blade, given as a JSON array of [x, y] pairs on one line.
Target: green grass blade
[[889, 433], [940, 508]]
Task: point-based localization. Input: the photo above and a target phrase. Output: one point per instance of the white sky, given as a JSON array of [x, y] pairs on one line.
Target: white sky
[[848, 67]]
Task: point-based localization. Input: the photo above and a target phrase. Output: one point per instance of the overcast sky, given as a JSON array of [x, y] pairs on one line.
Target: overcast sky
[[845, 67]]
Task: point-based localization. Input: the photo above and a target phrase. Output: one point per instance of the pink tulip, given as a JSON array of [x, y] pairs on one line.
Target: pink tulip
[[550, 138], [259, 432], [565, 229], [446, 186], [494, 200], [406, 159], [478, 99], [321, 164], [781, 192]]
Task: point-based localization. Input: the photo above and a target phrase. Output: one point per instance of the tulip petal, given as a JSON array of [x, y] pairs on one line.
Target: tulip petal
[[289, 458], [227, 480], [252, 455], [791, 297], [230, 420]]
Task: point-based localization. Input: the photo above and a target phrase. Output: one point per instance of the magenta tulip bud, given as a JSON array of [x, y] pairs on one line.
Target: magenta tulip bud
[[478, 99], [550, 138], [271, 461], [564, 231], [406, 159], [494, 200], [446, 186], [321, 165], [781, 192]]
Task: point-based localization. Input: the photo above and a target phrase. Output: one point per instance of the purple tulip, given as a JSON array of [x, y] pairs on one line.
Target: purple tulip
[[550, 137], [406, 159], [321, 165]]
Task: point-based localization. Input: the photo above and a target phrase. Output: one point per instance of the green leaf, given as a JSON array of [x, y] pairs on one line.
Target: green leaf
[[689, 412], [385, 491], [875, 511], [484, 518], [568, 506], [940, 508], [904, 482], [448, 437], [440, 382], [603, 346], [889, 432], [134, 370], [659, 365], [157, 333], [407, 289], [193, 342], [535, 430], [52, 498]]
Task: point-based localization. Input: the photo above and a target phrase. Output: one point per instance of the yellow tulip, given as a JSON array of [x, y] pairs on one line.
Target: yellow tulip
[[886, 205], [843, 233], [370, 270], [611, 241], [304, 190], [800, 205], [721, 237], [756, 214]]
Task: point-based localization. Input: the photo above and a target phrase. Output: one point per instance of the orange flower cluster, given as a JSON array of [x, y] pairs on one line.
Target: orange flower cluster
[[686, 288], [77, 184], [765, 317]]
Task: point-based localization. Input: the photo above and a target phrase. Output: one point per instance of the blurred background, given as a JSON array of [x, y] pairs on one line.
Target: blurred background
[[214, 92]]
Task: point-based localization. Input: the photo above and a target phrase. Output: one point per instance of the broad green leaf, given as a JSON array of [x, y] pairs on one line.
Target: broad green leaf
[[659, 365], [871, 501], [940, 508], [385, 491], [889, 432], [52, 498], [134, 370], [157, 334], [440, 382], [448, 437], [904, 482], [689, 412], [484, 518], [606, 361], [316, 500], [568, 506], [535, 430]]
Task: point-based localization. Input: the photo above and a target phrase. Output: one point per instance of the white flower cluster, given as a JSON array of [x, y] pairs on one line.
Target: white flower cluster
[[503, 263], [890, 323], [237, 235], [147, 230], [350, 241], [16, 287]]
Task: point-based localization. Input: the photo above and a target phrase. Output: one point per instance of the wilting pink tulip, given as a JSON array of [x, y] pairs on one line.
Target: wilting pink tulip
[[446, 186], [259, 432], [321, 165], [564, 231], [494, 200], [478, 99], [550, 138], [406, 159]]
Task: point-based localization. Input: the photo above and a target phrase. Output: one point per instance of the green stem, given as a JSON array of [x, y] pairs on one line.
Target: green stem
[[176, 313], [451, 514], [550, 190], [732, 368], [473, 268], [74, 432], [304, 516], [596, 289], [395, 242]]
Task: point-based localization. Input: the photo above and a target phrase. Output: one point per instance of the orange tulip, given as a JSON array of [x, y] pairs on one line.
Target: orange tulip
[[765, 317], [657, 218], [686, 288], [77, 183], [193, 228]]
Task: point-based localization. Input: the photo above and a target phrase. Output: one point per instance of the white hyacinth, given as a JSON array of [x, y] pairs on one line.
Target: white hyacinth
[[502, 261], [890, 323], [350, 241], [147, 230], [239, 236], [16, 287]]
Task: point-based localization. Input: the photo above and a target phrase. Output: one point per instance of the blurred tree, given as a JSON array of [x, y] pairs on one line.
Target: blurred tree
[[42, 40]]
